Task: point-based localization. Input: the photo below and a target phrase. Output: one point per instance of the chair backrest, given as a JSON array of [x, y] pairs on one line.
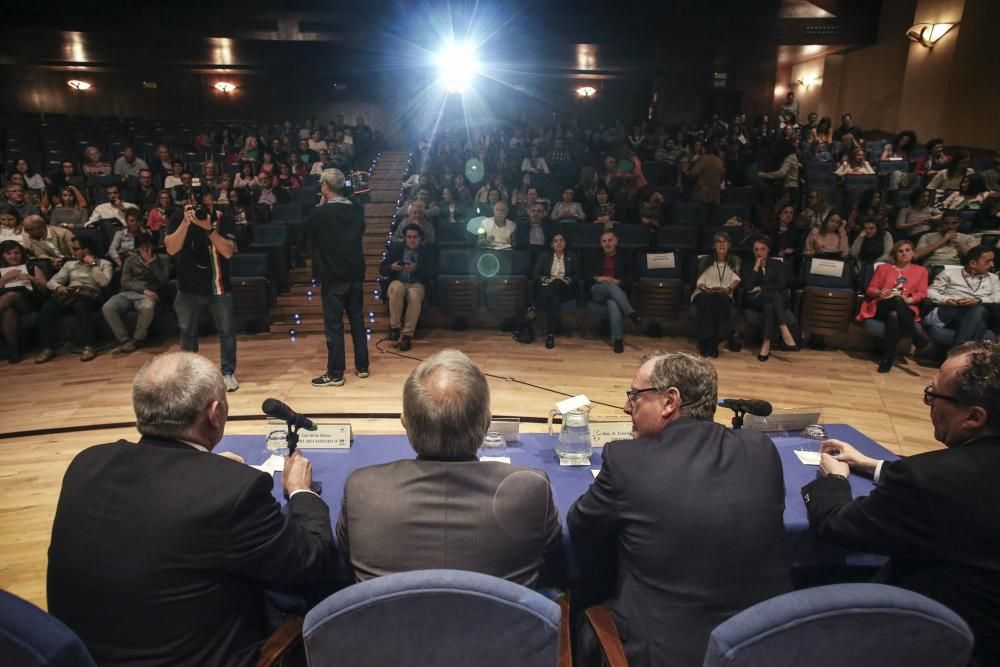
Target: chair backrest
[[454, 262], [860, 181], [632, 237], [862, 625], [724, 212], [581, 235], [285, 212], [434, 617], [29, 637], [831, 273], [248, 265], [270, 233], [677, 237], [691, 214]]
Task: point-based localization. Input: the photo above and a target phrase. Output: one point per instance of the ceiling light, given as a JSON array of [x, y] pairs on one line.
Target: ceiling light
[[225, 87], [586, 91], [77, 84]]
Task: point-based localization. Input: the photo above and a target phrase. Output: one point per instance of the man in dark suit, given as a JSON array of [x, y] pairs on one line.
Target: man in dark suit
[[694, 510], [335, 229], [446, 509], [934, 514], [611, 274], [160, 552], [409, 267]]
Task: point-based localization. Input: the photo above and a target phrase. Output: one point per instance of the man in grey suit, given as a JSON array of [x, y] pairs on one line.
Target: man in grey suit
[[446, 509], [694, 510]]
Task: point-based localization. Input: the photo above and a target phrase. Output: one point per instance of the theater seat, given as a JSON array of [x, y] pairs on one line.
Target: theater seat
[[507, 291], [661, 292], [827, 300], [457, 285], [31, 638]]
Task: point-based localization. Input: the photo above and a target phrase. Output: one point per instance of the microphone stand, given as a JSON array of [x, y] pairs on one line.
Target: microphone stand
[[292, 438], [737, 418]]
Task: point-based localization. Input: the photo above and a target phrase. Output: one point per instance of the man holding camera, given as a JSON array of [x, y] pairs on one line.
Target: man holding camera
[[203, 240]]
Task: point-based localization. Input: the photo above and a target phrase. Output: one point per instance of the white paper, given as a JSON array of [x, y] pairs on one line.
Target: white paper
[[834, 268], [570, 404], [660, 260], [498, 459], [808, 458], [20, 268], [273, 464], [595, 472]]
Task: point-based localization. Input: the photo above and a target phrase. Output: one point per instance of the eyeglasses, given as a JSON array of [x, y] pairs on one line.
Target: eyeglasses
[[930, 396], [632, 394]]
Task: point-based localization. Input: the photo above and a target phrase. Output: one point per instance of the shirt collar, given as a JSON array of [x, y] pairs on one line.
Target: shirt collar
[[200, 448]]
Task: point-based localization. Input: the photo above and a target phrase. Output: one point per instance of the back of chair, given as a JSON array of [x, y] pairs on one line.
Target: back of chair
[[861, 625], [434, 617], [29, 637]]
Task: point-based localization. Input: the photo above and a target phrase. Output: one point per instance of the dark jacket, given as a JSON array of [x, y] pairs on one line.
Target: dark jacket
[[160, 553], [625, 268], [696, 515], [544, 264], [772, 279], [335, 231], [935, 515], [426, 269]]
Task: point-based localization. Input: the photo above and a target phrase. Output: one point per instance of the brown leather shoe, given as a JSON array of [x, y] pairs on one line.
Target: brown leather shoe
[[88, 354], [45, 355], [404, 343]]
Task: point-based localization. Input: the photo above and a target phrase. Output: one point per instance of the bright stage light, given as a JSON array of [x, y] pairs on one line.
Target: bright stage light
[[458, 65]]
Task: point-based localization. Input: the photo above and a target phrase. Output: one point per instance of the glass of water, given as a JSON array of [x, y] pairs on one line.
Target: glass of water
[[493, 445], [812, 435]]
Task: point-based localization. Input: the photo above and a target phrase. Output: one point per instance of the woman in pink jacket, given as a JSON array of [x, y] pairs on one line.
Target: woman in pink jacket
[[893, 296]]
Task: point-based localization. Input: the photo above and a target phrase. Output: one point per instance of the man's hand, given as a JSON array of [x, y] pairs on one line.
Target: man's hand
[[297, 475], [410, 267], [146, 253], [831, 466], [397, 266], [845, 453], [152, 295], [234, 457], [948, 236], [61, 289]]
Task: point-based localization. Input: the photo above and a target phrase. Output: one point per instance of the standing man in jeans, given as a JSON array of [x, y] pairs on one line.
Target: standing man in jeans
[[611, 274], [203, 240], [335, 228]]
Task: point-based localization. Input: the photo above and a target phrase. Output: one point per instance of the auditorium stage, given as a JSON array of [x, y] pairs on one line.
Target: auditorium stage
[[90, 403]]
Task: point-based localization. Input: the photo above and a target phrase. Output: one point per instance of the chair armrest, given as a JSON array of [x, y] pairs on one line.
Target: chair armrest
[[565, 643], [603, 623], [285, 639]]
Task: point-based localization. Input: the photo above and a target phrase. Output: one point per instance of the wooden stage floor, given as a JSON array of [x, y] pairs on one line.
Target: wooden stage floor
[[66, 393]]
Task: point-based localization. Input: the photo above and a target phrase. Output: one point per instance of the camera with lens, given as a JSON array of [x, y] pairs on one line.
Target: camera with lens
[[201, 212]]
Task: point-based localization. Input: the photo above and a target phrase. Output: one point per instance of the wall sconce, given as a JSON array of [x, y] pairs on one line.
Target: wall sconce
[[77, 84], [927, 34], [808, 81], [225, 87], [586, 91]]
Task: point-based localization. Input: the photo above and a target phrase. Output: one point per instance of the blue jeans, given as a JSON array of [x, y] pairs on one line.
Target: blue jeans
[[334, 306], [972, 321], [618, 306], [188, 307]]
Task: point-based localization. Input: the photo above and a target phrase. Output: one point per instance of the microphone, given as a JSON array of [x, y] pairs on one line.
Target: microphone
[[274, 408], [753, 406]]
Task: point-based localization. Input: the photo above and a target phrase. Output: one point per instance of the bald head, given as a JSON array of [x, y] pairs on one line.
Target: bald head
[[34, 225], [180, 395], [446, 406]]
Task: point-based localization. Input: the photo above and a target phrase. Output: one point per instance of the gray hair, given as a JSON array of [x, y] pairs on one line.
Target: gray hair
[[333, 179], [978, 382], [446, 404], [171, 392], [694, 377]]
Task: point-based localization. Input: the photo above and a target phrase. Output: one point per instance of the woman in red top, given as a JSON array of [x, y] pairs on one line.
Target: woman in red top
[[893, 296]]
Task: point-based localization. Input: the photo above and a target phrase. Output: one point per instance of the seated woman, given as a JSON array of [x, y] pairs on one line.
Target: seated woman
[[828, 240], [76, 290], [10, 225], [815, 212], [713, 296], [605, 212], [462, 191], [554, 277], [285, 178], [33, 181], [567, 209], [245, 178], [951, 177], [823, 132], [534, 163], [854, 163], [788, 238], [123, 242], [915, 220], [987, 218], [900, 146], [452, 210], [893, 295], [70, 212], [765, 289], [520, 193], [160, 215], [93, 165], [969, 196], [22, 290], [872, 245], [64, 177], [495, 183], [869, 207], [651, 210]]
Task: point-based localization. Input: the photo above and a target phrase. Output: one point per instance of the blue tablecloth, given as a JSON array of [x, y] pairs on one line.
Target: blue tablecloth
[[332, 466]]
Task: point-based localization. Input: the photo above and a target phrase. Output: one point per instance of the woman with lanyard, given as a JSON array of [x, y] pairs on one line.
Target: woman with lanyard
[[713, 296], [893, 295]]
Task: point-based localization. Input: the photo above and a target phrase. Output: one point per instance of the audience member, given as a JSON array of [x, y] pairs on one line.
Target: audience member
[[42, 241], [950, 178], [707, 175], [488, 517], [718, 278], [498, 232], [915, 220], [828, 240], [854, 163], [75, 290], [10, 226], [554, 278], [926, 511], [946, 246], [683, 566], [181, 536], [123, 243], [128, 165], [16, 201], [872, 245], [894, 295], [93, 164], [22, 290], [65, 177], [159, 216], [566, 209], [335, 230], [991, 177], [788, 173], [202, 247], [409, 268], [967, 298], [933, 161], [69, 212], [969, 196], [847, 127], [815, 212], [113, 209], [765, 289], [162, 165], [609, 276], [144, 275], [145, 195]]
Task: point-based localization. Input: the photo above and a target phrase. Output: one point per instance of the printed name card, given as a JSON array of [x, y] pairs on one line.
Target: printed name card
[[602, 433], [326, 436], [832, 268], [661, 260]]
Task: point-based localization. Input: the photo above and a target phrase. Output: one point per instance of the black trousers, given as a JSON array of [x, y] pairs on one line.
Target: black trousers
[[548, 299], [898, 320], [714, 315], [773, 306], [50, 316]]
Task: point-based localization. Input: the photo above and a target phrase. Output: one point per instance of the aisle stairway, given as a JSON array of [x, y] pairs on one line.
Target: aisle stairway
[[304, 298]]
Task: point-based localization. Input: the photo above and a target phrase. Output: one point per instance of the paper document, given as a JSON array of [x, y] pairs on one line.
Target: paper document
[[272, 465], [499, 459], [808, 458], [595, 472]]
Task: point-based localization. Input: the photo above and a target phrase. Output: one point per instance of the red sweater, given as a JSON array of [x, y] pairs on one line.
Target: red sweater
[[885, 278]]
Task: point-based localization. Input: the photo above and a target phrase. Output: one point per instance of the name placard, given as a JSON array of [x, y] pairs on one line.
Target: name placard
[[661, 260], [326, 436], [509, 428], [602, 433], [832, 268]]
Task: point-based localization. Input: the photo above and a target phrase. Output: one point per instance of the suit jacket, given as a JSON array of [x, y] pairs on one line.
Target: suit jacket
[[425, 271], [696, 515], [62, 238], [934, 515], [335, 231], [160, 553], [544, 264], [625, 268], [774, 278], [488, 517]]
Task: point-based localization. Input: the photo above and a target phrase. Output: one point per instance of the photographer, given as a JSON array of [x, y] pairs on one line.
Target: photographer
[[203, 240]]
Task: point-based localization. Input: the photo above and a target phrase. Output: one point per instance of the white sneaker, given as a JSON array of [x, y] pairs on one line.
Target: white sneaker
[[232, 384]]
